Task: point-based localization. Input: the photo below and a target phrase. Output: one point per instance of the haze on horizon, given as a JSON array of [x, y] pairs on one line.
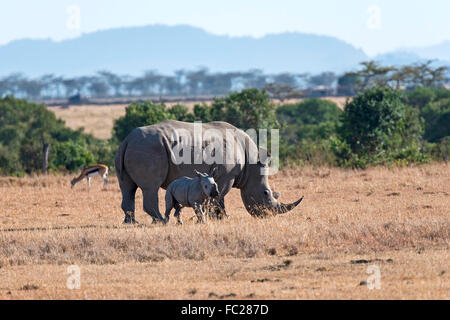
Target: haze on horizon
[[376, 26]]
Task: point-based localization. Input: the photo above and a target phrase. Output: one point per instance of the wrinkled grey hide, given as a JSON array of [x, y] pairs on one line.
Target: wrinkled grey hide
[[144, 160], [190, 192]]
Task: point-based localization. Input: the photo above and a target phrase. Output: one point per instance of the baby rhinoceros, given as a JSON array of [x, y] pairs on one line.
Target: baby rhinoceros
[[190, 192]]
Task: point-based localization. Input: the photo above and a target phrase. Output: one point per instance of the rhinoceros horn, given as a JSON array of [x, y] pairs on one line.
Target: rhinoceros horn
[[283, 208]]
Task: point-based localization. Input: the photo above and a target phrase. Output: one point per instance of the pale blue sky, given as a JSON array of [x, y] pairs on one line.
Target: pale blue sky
[[376, 26]]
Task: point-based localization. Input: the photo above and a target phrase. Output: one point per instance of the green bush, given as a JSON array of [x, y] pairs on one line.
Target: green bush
[[24, 130], [246, 109], [180, 112], [306, 128], [10, 161], [437, 120], [421, 96], [139, 115], [439, 151], [202, 113], [312, 119], [70, 155], [249, 108], [377, 127], [310, 111], [317, 153]]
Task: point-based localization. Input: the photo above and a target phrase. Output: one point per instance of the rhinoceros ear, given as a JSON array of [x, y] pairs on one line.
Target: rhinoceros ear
[[264, 156]]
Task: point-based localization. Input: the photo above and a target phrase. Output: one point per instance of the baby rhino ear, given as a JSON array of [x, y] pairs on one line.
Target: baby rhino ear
[[198, 173], [213, 172]]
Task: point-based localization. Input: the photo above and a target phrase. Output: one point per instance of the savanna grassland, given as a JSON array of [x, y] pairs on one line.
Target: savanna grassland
[[397, 219]]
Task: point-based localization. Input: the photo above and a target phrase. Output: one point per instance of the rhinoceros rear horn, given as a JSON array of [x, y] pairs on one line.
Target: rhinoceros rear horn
[[283, 208]]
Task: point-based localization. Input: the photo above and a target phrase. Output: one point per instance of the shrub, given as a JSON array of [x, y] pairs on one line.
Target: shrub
[[246, 109], [202, 113], [70, 155], [312, 119], [420, 97], [439, 151], [310, 111], [437, 120], [317, 153], [25, 128], [138, 115], [180, 112], [377, 127], [249, 108]]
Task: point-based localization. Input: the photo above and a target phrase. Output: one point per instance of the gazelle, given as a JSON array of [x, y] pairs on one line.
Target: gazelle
[[92, 171]]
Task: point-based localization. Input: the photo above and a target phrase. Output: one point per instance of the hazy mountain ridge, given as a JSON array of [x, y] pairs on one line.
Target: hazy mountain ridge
[[168, 48], [439, 52]]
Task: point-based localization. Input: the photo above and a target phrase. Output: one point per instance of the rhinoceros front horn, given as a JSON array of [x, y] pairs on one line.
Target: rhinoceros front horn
[[283, 208]]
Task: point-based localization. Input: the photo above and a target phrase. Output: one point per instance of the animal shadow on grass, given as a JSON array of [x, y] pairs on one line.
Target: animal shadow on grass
[[286, 264], [28, 287], [364, 261], [215, 295], [265, 280]]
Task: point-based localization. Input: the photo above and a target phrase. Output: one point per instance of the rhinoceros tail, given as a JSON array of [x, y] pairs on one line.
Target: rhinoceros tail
[[119, 161]]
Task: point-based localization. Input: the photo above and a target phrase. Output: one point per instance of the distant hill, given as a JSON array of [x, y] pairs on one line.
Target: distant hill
[[398, 58], [439, 52], [168, 48]]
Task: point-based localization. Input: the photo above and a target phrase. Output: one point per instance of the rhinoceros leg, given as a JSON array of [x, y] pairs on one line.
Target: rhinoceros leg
[[147, 165], [128, 188], [169, 206], [151, 204]]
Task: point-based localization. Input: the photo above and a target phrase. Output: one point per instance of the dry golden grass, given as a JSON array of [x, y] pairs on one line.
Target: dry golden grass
[[397, 219], [98, 120], [340, 101]]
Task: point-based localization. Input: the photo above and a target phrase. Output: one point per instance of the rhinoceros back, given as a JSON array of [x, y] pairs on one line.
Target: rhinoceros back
[[151, 144]]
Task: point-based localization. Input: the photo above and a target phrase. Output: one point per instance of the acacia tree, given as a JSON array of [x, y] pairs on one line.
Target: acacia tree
[[282, 91], [426, 75], [372, 74], [98, 87], [113, 81]]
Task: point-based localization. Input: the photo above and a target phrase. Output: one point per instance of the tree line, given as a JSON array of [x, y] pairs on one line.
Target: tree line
[[202, 82]]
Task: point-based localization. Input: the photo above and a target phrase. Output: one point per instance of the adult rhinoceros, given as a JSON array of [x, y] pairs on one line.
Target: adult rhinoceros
[[146, 159]]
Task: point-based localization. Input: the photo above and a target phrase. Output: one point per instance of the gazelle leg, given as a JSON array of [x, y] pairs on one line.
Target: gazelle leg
[[89, 181]]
